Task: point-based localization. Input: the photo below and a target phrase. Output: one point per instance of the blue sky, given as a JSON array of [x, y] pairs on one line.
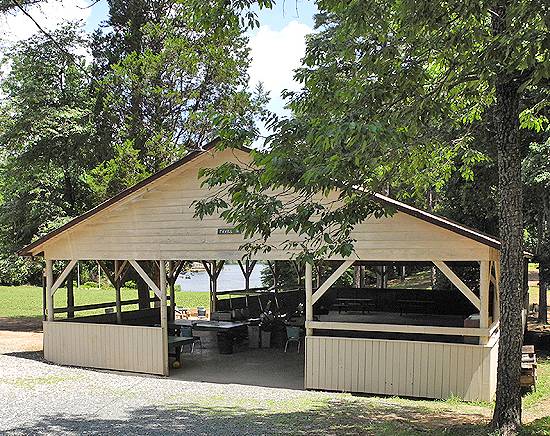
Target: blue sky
[[276, 18], [276, 47]]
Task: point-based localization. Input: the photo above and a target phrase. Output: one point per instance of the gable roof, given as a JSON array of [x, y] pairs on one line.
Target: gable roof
[[446, 223], [431, 218]]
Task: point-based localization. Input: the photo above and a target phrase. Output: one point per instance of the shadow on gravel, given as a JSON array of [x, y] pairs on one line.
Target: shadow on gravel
[[30, 355], [332, 418]]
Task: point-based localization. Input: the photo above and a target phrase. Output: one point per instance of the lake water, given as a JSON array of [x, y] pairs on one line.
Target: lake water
[[231, 277]]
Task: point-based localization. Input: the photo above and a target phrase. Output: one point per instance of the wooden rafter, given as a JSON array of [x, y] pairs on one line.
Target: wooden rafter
[[331, 280], [455, 280], [110, 275], [175, 272], [146, 278], [63, 276], [213, 268]]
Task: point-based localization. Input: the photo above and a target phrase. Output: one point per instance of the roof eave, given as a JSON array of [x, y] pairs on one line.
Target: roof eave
[[30, 249]]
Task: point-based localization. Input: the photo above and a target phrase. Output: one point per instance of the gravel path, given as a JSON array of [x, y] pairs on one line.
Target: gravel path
[[40, 398]]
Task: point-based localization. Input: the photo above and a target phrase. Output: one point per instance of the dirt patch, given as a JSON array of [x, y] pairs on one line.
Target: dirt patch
[[20, 334], [21, 324], [533, 275], [11, 342], [538, 412]]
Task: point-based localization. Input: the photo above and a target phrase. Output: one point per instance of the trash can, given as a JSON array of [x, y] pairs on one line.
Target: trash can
[[253, 336], [266, 339], [225, 343]]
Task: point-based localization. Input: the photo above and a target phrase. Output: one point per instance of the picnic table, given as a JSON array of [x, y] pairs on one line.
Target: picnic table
[[177, 343], [227, 331], [350, 304], [408, 304]]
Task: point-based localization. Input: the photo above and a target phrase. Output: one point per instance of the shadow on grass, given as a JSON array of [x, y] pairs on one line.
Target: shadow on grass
[[328, 418], [538, 427]]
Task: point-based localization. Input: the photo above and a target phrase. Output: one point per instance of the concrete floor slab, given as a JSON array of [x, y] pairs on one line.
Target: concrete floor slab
[[257, 367]]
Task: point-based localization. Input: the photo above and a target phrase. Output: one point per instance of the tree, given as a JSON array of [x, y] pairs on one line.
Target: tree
[[537, 179], [46, 138], [11, 6], [390, 92], [164, 79]]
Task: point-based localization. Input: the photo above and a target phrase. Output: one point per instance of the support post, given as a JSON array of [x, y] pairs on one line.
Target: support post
[[213, 288], [484, 281], [247, 272], [171, 283], [164, 316], [309, 297], [44, 295], [70, 295], [118, 284], [49, 284], [213, 268]]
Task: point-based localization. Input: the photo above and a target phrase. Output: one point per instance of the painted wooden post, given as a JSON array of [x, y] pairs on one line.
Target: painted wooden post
[[171, 283], [213, 287], [484, 280], [309, 297], [44, 295], [70, 295], [164, 316], [118, 284], [246, 269], [49, 284]]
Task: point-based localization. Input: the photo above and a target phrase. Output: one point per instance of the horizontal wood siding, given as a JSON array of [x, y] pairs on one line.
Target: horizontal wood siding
[[158, 222], [405, 368], [107, 346]]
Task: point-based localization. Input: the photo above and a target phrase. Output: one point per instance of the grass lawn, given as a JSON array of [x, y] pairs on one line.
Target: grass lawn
[[534, 294], [26, 301], [356, 414]]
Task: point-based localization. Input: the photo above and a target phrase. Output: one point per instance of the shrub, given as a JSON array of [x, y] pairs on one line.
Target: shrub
[[130, 284]]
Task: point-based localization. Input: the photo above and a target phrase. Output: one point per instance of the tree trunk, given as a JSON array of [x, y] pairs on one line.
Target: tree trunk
[[357, 276], [143, 290], [507, 413], [70, 295], [544, 273], [143, 294], [543, 302]]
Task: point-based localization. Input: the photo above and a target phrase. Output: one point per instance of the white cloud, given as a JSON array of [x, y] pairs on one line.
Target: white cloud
[[49, 14], [275, 56]]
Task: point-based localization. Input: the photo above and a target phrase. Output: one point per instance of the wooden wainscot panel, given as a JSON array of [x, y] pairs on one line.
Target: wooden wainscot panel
[[405, 368], [106, 346]]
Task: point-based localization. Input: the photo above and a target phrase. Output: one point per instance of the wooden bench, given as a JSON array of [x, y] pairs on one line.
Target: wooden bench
[[421, 304], [354, 304], [177, 343]]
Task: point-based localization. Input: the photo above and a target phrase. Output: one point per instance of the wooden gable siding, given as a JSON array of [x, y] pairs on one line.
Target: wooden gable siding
[[157, 222]]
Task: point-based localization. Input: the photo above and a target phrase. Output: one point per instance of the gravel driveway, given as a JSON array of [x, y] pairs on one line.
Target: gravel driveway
[[41, 398]]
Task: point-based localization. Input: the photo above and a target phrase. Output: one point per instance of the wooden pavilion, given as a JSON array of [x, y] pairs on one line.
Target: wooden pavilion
[[154, 221]]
